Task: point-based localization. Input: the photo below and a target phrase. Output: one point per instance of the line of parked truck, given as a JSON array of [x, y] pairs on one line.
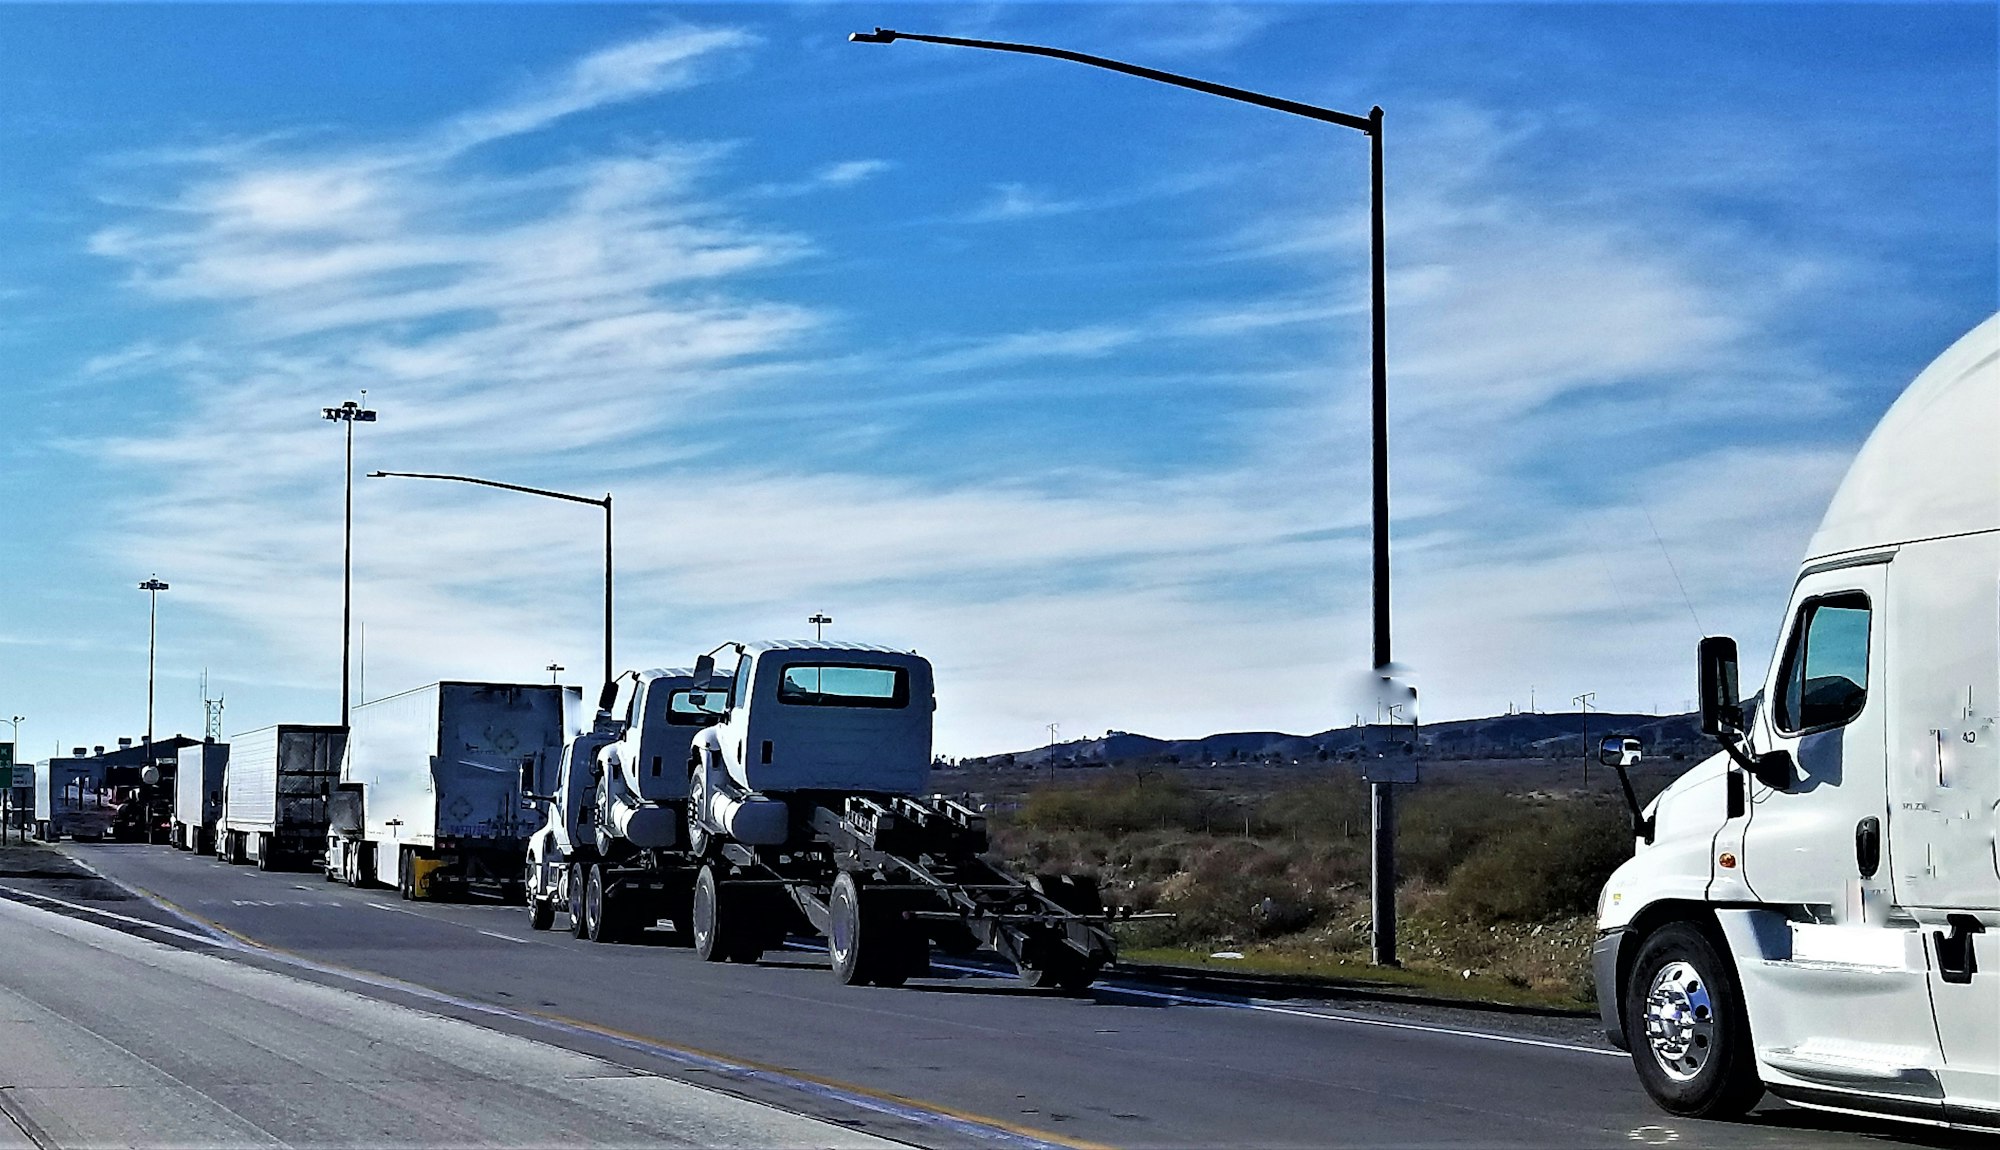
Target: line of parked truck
[[735, 805]]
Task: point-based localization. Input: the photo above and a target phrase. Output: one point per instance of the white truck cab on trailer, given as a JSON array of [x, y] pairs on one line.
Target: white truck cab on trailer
[[1816, 910]]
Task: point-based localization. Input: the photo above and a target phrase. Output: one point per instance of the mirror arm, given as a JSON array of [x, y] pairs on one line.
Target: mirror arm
[[1642, 827]]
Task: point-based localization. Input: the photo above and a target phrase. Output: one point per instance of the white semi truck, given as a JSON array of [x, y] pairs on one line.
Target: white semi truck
[[198, 796], [613, 849], [430, 792], [274, 794], [1815, 911], [807, 811]]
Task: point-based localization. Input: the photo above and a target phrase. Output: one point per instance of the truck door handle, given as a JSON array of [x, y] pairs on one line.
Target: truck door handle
[[1868, 845]]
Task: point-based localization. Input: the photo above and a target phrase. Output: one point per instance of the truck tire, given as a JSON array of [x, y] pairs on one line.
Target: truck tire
[[573, 887], [406, 874], [541, 911], [866, 940], [1072, 974], [600, 908], [723, 931], [1690, 1036], [263, 852], [239, 848]]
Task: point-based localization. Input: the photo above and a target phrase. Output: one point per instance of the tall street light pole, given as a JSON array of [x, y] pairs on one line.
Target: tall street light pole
[[1382, 794], [564, 495], [152, 586], [349, 413], [15, 763], [819, 620]]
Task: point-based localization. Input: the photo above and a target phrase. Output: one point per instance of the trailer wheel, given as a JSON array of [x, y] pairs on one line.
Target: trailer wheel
[[1071, 974], [601, 913], [723, 931], [263, 852], [1690, 1035], [866, 942], [573, 887]]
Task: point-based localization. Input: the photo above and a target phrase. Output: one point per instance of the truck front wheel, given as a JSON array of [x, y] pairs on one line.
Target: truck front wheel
[[1689, 1033], [541, 910]]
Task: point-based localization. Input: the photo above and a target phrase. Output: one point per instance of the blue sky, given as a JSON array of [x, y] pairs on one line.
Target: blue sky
[[1054, 375]]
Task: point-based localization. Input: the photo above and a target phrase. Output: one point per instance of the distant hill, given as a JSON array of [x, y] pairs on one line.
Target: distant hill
[[1525, 735]]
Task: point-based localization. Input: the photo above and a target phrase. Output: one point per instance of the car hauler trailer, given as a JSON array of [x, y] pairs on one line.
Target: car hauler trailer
[[430, 797], [1815, 911], [275, 789], [807, 810], [198, 796], [613, 848]]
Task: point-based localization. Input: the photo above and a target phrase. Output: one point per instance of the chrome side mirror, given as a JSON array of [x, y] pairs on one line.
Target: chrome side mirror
[[1618, 751]]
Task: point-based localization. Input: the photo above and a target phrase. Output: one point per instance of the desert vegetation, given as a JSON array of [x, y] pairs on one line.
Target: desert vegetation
[[1499, 869]]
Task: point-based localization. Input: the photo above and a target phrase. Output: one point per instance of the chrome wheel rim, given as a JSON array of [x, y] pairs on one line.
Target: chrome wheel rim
[[1680, 1021]]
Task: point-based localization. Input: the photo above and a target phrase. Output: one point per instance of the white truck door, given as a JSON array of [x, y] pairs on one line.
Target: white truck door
[[1849, 1010], [1945, 784]]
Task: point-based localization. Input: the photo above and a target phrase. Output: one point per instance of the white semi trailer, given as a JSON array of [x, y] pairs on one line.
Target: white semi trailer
[[430, 794], [198, 796], [613, 849], [275, 789], [807, 810], [1815, 911]]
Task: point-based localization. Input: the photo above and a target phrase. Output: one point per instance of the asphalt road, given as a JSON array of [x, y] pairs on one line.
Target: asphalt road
[[112, 1040], [1132, 1066]]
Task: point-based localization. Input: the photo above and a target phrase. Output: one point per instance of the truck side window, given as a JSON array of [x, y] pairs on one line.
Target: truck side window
[[1825, 682], [739, 689]]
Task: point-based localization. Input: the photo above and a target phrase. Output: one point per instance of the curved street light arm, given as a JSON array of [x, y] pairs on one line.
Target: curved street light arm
[[492, 483], [1275, 103]]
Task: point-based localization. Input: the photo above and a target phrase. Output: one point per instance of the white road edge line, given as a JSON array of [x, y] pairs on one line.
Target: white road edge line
[[1290, 1011], [504, 937]]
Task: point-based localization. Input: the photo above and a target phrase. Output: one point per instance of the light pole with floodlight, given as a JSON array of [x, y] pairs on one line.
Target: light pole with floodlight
[[563, 495], [349, 414], [1382, 794], [152, 586]]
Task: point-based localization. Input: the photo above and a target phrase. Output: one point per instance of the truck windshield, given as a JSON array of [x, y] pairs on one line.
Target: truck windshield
[[843, 685], [696, 708]]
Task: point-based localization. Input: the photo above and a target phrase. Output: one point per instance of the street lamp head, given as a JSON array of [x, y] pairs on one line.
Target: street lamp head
[[350, 412], [878, 36]]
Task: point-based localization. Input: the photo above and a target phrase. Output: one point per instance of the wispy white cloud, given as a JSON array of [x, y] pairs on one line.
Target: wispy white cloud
[[646, 67], [1013, 201]]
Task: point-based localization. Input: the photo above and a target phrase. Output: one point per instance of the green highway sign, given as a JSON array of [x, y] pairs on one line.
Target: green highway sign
[[6, 766]]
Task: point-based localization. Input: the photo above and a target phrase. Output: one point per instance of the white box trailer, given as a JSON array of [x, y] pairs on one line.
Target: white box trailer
[[275, 792], [430, 788], [1815, 911], [198, 795]]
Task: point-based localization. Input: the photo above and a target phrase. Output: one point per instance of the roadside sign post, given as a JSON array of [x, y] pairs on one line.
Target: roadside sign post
[[7, 792]]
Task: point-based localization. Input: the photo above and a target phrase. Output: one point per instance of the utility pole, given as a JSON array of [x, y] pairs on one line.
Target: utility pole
[[819, 620], [1053, 727], [554, 669], [1583, 707]]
